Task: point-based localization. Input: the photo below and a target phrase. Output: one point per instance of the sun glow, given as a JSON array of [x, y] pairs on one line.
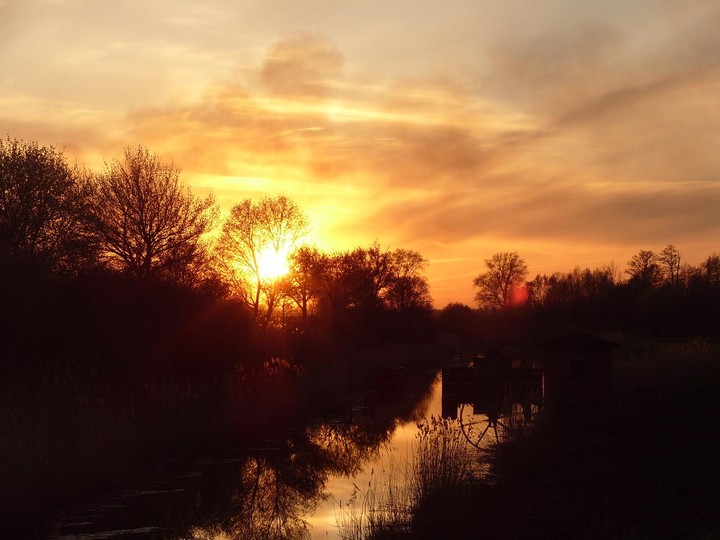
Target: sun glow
[[272, 263]]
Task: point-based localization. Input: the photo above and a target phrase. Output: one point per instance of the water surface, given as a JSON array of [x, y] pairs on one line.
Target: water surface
[[291, 487], [396, 451]]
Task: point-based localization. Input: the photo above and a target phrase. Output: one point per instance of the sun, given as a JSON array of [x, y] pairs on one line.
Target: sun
[[272, 263]]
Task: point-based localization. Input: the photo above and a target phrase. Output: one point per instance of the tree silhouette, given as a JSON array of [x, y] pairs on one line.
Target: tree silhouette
[[407, 287], [144, 218], [336, 288], [670, 263], [275, 223], [368, 272], [42, 201], [539, 289], [360, 288], [644, 268], [580, 285], [711, 270], [304, 281], [459, 319], [505, 272]]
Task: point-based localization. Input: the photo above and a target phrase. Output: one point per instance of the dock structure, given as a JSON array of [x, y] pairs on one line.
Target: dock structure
[[495, 386], [572, 371]]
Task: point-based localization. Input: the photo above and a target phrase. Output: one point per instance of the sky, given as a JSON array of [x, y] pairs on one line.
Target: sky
[[575, 133]]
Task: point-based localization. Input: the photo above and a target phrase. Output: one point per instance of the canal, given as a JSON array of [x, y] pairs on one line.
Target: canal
[[322, 478]]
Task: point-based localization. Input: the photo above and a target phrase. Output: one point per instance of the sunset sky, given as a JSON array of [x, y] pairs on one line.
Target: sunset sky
[[572, 132]]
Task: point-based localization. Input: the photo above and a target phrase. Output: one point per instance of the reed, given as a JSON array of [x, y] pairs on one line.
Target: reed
[[399, 502]]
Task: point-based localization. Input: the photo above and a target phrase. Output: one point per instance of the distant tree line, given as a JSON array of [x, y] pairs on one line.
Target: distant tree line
[[136, 224], [656, 293]]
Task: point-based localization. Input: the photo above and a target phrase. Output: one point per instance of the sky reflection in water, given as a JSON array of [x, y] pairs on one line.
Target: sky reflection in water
[[395, 452]]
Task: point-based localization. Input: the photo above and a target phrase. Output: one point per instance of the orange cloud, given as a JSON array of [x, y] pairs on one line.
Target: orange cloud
[[300, 66]]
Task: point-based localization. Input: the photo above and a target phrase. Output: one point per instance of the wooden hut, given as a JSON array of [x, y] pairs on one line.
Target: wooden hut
[[577, 368]]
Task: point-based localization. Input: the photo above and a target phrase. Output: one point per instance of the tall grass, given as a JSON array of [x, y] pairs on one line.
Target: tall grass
[[397, 503], [443, 459], [382, 510]]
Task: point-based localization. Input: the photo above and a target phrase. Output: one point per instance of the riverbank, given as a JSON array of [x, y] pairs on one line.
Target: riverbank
[[73, 438], [645, 467]]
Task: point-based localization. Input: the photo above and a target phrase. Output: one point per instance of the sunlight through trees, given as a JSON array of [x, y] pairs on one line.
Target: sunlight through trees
[[253, 249]]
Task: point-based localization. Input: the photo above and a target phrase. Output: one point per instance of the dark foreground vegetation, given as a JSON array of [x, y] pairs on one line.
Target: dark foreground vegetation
[[645, 466]]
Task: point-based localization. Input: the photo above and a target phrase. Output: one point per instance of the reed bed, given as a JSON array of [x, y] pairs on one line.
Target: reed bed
[[398, 502]]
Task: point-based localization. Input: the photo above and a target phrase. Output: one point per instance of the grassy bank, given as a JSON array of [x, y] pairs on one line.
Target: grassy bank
[[647, 467]]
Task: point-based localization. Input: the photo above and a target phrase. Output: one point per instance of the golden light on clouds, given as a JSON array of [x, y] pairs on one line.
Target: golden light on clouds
[[572, 134]]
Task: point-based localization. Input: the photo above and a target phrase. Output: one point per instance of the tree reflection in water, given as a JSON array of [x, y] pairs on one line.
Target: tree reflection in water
[[346, 447], [394, 503], [274, 492], [266, 504]]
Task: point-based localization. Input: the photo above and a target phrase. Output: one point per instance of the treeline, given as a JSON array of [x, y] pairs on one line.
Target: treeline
[[656, 294], [124, 262]]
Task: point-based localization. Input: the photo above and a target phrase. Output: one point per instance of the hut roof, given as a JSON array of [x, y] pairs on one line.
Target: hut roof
[[578, 339]]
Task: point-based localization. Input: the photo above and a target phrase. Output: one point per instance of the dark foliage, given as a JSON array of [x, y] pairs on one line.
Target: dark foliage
[[144, 220], [42, 204]]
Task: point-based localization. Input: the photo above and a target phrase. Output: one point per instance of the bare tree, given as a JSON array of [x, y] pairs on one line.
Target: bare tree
[[670, 261], [644, 269], [711, 270], [336, 287], [144, 218], [42, 200], [539, 288], [505, 272], [276, 224]]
